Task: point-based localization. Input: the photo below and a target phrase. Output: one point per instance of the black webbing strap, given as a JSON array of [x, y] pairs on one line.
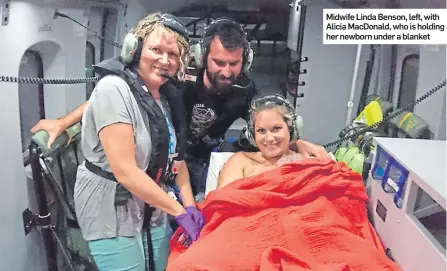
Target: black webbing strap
[[122, 195], [148, 211]]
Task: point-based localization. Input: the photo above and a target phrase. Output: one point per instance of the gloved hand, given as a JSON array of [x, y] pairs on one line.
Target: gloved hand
[[197, 215], [191, 228]]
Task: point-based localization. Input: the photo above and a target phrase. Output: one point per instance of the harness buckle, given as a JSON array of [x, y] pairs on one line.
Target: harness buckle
[[173, 168]]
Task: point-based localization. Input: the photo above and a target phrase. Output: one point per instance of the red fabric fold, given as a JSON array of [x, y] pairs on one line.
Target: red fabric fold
[[305, 216]]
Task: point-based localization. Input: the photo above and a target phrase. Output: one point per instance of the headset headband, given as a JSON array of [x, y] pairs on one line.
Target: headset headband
[[173, 23], [201, 49], [219, 22], [272, 98]]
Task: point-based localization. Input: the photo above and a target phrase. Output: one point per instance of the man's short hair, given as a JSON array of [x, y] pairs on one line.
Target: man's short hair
[[231, 37]]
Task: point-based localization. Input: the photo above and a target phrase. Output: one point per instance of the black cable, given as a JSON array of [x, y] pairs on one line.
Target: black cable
[[37, 80], [64, 81], [388, 117], [89, 29]]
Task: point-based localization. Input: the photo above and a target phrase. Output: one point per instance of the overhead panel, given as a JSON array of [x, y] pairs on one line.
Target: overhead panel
[[237, 5]]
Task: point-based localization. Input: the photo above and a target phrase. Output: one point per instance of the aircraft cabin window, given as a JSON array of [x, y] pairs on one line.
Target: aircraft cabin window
[[31, 96], [408, 81], [89, 62]]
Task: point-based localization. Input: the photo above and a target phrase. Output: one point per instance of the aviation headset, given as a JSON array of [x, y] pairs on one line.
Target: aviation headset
[[201, 49], [133, 45], [277, 100]]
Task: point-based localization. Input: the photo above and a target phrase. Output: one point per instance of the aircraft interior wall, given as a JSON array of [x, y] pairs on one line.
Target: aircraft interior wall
[[95, 22], [417, 70], [328, 80], [59, 43], [406, 57], [432, 71], [330, 86], [383, 67], [442, 126], [111, 32], [268, 70]]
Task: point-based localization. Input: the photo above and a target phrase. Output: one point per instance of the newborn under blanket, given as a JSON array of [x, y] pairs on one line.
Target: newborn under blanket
[[309, 215]]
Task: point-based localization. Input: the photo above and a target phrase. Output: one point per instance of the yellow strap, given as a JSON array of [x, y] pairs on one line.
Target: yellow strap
[[69, 137], [404, 118]]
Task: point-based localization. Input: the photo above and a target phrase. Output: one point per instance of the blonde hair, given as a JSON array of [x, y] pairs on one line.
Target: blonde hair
[[148, 24]]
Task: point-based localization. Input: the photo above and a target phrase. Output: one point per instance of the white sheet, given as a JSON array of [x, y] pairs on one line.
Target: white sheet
[[217, 161]]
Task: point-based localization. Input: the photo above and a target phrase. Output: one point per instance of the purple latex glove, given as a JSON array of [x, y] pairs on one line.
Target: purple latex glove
[[191, 228], [197, 215]]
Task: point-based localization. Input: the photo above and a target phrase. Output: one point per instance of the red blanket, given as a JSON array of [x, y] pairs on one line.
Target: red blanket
[[305, 216]]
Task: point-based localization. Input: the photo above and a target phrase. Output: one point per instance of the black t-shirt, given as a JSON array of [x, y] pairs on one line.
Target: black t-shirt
[[212, 115]]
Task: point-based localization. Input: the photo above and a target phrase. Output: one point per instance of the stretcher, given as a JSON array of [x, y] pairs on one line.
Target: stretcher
[[54, 174]]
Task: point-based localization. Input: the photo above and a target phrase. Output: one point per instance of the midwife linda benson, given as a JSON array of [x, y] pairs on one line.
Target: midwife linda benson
[[372, 17]]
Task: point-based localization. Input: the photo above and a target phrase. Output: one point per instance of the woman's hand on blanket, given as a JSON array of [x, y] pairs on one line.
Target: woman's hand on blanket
[[197, 215], [191, 227]]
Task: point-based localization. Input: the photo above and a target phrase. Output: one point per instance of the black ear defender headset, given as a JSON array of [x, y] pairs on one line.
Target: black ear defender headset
[[275, 99], [133, 45], [201, 49]]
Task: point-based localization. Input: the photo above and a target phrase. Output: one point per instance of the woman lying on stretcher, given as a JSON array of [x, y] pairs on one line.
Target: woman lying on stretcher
[[271, 128], [268, 217]]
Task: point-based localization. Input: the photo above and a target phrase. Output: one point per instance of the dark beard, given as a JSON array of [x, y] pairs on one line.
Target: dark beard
[[217, 87]]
